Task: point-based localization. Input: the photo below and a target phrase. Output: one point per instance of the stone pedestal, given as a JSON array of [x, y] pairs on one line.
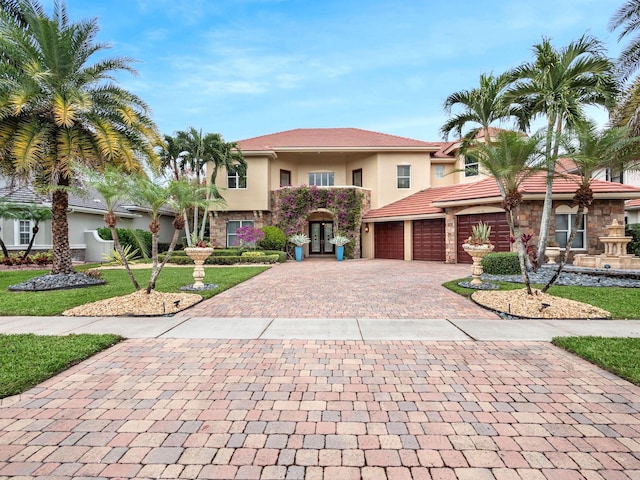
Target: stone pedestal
[[198, 255], [477, 252], [552, 254]]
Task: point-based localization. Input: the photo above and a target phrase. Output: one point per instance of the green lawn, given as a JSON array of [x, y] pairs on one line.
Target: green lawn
[[54, 302], [617, 355], [26, 360], [621, 302]]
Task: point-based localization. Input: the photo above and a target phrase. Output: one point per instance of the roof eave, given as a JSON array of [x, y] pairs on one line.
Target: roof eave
[[338, 149], [403, 217]]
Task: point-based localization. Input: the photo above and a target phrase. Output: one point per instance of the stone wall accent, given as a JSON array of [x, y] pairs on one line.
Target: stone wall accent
[[218, 224], [600, 214]]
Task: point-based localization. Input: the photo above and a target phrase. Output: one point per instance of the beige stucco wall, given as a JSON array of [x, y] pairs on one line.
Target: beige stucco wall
[[449, 174], [387, 190], [256, 195], [367, 240]]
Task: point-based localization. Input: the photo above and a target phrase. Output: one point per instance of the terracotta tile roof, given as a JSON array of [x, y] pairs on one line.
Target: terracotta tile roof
[[417, 204], [331, 138], [632, 203], [433, 200]]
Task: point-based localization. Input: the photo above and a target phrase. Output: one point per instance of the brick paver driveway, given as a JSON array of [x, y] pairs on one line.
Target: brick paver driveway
[[326, 410], [352, 289]]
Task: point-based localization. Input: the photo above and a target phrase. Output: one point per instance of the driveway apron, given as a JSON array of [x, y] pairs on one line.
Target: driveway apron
[[322, 288], [296, 409]]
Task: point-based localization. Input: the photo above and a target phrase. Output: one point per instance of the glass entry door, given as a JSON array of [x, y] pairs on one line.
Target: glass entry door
[[321, 233]]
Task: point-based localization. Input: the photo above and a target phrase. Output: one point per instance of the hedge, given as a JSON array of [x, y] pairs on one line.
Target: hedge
[[223, 260], [503, 263], [633, 230], [234, 252]]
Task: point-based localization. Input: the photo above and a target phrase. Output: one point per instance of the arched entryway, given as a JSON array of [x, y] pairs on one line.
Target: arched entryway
[[321, 230]]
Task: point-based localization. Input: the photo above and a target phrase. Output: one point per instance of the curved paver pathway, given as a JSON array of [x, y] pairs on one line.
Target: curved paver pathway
[[297, 409], [325, 288]]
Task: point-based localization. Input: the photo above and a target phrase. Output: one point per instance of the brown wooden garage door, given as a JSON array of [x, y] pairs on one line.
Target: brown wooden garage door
[[429, 240], [389, 240], [500, 232]]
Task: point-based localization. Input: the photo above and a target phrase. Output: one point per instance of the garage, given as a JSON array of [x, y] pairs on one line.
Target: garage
[[389, 240], [429, 240], [500, 232]]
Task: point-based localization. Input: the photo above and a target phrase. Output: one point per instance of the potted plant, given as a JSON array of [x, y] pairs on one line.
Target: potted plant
[[299, 240], [339, 241], [198, 252], [478, 246], [552, 252]]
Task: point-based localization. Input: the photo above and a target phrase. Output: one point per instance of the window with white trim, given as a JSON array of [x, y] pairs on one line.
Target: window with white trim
[[439, 171], [236, 180], [471, 167], [24, 232], [564, 226], [403, 176], [321, 179], [232, 228]]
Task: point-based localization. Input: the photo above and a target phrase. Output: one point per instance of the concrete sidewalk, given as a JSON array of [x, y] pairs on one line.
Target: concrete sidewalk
[[322, 329]]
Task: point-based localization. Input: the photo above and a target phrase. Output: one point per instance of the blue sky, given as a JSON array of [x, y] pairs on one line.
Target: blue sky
[[245, 68]]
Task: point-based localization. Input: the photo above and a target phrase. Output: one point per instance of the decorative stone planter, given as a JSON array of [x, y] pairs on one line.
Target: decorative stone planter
[[198, 255], [552, 254], [477, 252]]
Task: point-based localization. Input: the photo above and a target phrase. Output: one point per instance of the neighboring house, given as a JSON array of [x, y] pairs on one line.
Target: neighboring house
[[418, 199], [632, 211], [85, 215]]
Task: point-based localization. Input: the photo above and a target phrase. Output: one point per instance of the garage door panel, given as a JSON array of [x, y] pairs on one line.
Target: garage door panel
[[429, 240], [500, 232], [389, 240]]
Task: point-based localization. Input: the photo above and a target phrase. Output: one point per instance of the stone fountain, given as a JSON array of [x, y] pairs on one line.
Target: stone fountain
[[615, 252]]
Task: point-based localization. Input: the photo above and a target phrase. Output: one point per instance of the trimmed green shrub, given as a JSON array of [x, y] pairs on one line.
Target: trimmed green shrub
[[503, 263], [633, 230], [138, 239], [274, 239], [252, 254], [226, 260]]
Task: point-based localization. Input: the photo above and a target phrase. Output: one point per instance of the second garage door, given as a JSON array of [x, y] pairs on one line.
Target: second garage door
[[500, 232], [429, 240], [389, 240]]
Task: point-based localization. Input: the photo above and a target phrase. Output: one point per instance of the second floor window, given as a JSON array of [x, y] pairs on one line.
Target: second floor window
[[439, 171], [356, 177], [471, 168], [285, 178], [236, 180], [321, 179], [404, 176]]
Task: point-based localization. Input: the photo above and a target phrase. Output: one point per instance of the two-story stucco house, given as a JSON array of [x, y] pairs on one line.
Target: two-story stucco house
[[418, 199]]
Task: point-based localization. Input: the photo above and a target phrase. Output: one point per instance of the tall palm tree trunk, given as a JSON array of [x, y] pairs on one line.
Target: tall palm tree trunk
[[156, 272], [545, 223], [118, 247], [567, 249], [62, 263], [34, 232], [514, 224], [5, 252]]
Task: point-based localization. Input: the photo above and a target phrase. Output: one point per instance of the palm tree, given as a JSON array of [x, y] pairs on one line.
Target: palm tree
[[172, 156], [58, 110], [154, 196], [557, 85], [510, 158], [596, 150], [36, 214], [113, 186], [481, 106], [627, 19]]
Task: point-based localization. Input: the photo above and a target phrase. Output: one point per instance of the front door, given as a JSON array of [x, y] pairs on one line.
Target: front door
[[321, 233]]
